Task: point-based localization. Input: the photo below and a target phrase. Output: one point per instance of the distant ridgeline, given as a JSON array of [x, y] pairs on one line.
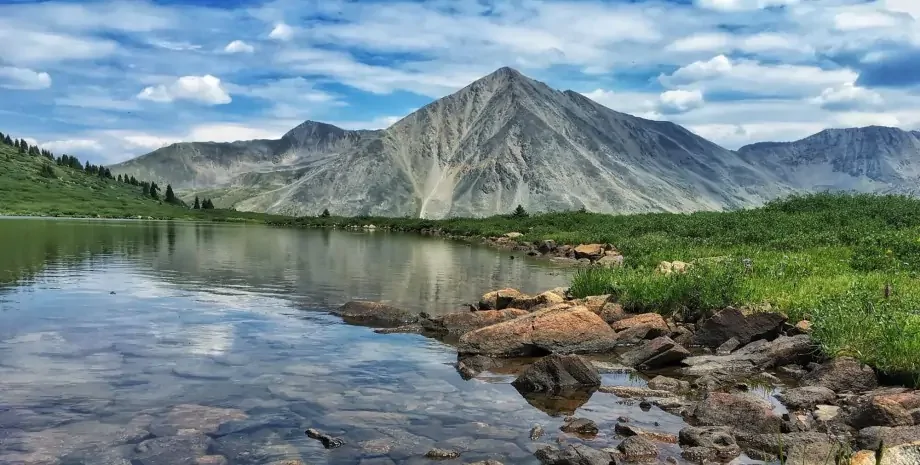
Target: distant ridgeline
[[148, 188]]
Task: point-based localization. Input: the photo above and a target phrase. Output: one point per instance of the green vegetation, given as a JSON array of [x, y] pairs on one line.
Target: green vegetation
[[849, 263], [33, 182]]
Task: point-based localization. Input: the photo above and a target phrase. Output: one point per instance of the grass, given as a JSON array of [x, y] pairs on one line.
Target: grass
[[35, 186], [823, 257]]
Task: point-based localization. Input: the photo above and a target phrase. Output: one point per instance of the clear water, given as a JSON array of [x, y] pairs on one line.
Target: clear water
[[107, 324]]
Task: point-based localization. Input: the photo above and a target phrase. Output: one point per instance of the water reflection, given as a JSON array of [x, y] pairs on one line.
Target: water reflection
[[206, 318]]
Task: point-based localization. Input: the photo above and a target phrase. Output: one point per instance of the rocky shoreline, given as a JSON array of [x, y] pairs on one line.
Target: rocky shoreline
[[835, 409]]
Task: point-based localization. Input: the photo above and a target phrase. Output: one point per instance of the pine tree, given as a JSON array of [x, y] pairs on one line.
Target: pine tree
[[197, 205], [146, 189], [8, 141], [325, 213], [207, 204], [47, 171], [134, 180], [170, 195], [519, 211], [154, 191]]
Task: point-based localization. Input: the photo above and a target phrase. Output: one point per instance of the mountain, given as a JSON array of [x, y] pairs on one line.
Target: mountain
[[869, 159], [501, 141]]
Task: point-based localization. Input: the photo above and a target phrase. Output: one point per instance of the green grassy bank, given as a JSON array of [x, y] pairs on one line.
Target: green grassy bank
[[826, 257]]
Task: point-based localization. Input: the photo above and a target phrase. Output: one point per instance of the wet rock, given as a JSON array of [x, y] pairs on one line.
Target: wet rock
[[808, 448], [580, 426], [633, 392], [471, 367], [578, 454], [374, 314], [611, 368], [199, 418], [327, 441], [657, 353], [590, 251], [638, 449], [405, 329], [884, 409], [442, 454], [498, 300], [754, 357], [627, 430], [904, 454], [708, 443], [171, 450], [525, 302], [464, 322], [806, 397], [744, 412], [842, 374], [546, 246], [732, 323], [564, 330], [536, 432], [728, 346], [873, 437], [211, 460], [664, 383], [555, 372]]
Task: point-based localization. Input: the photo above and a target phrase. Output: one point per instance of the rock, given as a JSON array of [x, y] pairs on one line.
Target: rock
[[589, 251], [211, 460], [612, 368], [442, 454], [826, 413], [471, 367], [714, 443], [664, 383], [578, 454], [199, 418], [626, 430], [374, 313], [638, 448], [657, 353], [731, 323], [795, 371], [498, 300], [611, 313], [842, 374], [633, 392], [802, 327], [171, 450], [744, 412], [611, 261], [808, 448], [872, 437], [594, 303], [754, 357], [486, 462], [556, 372], [682, 335], [546, 246], [806, 397], [904, 454], [580, 426], [669, 268], [464, 322], [892, 409], [326, 440], [564, 330], [405, 329], [728, 346], [559, 403], [536, 432], [513, 235], [525, 302], [652, 320]]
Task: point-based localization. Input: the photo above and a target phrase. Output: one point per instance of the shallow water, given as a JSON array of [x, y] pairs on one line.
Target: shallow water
[[107, 326]]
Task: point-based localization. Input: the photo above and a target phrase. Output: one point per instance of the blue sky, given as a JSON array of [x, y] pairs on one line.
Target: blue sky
[[109, 80]]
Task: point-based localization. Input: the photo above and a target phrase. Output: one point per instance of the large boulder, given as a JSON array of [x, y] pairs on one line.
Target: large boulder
[[743, 412], [578, 454], [754, 357], [732, 323], [463, 322], [891, 407], [873, 437], [560, 330], [902, 454], [374, 313], [556, 372], [708, 443], [806, 397], [843, 374], [590, 251], [498, 300], [657, 353], [640, 327], [807, 448]]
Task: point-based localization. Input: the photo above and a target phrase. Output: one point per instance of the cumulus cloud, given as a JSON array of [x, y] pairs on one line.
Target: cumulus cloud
[[848, 96], [238, 46], [23, 79], [282, 32], [679, 101], [205, 89]]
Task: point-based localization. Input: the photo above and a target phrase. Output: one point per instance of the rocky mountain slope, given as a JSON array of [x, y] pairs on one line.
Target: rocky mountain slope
[[870, 159], [503, 140]]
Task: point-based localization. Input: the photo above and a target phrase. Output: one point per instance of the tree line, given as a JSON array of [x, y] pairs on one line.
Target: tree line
[[148, 188]]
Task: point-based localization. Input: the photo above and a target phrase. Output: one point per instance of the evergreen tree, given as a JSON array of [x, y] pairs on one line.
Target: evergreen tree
[[2, 138], [325, 213], [20, 146], [8, 141], [197, 205], [170, 195], [146, 189], [47, 171], [118, 179], [154, 191], [207, 205], [134, 180], [519, 212]]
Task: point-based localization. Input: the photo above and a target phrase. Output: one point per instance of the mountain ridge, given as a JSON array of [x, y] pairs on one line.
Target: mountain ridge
[[502, 140]]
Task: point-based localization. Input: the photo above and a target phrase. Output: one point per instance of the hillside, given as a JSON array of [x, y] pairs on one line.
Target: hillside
[[32, 184], [501, 141]]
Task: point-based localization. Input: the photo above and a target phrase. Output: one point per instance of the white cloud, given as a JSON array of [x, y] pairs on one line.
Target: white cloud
[[72, 145], [848, 96], [858, 20], [24, 47], [679, 101], [742, 5], [861, 119], [175, 46], [205, 89], [703, 42], [238, 46], [282, 32], [23, 79]]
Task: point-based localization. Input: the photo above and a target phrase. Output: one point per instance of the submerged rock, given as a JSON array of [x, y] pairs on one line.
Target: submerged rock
[[556, 372], [578, 454], [744, 412], [442, 454], [172, 450], [842, 374], [657, 353], [374, 313], [194, 417], [732, 323], [562, 330], [580, 426], [327, 441]]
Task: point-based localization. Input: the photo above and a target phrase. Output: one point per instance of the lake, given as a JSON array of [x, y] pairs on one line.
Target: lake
[[117, 333]]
